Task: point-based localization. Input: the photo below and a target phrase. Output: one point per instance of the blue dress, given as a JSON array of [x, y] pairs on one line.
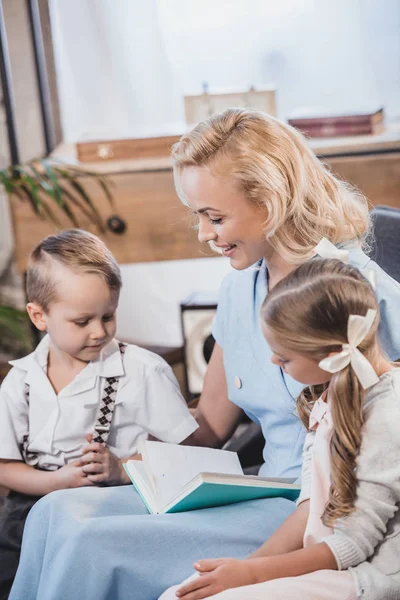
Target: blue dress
[[101, 544]]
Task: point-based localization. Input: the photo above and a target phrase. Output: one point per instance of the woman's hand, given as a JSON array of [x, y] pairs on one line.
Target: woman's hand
[[100, 465], [217, 575]]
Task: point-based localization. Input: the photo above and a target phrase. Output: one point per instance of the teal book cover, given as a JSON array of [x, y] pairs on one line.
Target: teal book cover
[[208, 494], [163, 491]]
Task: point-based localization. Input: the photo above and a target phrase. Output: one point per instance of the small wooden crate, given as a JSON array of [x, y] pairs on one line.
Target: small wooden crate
[[202, 106], [149, 147]]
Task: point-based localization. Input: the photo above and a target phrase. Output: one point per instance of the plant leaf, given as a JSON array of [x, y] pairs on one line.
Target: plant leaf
[[7, 181], [76, 201], [106, 189], [99, 177], [78, 187], [14, 324], [55, 195], [50, 214], [36, 206], [40, 182], [30, 185], [53, 179]]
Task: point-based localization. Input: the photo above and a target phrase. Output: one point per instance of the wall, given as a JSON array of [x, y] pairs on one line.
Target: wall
[[149, 307], [124, 66]]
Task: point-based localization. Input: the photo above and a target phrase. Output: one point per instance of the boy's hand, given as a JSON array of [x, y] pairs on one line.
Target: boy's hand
[[71, 476], [100, 465], [216, 575]]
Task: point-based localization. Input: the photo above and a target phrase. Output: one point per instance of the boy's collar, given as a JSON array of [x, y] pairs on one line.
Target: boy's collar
[[109, 363], [38, 356]]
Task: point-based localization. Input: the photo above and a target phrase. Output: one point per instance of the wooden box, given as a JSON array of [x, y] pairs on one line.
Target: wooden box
[[148, 147], [202, 106]]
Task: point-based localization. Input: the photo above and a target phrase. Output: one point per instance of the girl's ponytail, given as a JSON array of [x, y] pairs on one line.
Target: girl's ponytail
[[346, 398]]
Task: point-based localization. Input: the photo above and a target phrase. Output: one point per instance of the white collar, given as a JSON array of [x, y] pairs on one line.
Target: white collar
[[108, 364], [37, 357]]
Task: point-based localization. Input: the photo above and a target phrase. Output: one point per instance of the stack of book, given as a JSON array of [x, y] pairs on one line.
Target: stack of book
[[340, 125]]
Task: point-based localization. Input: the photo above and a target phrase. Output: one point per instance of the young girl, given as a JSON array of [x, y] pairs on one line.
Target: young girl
[[343, 541]]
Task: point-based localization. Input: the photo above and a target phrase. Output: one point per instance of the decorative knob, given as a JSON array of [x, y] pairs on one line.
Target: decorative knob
[[116, 224], [105, 151]]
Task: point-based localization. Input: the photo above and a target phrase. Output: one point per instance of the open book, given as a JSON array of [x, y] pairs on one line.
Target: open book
[[173, 478]]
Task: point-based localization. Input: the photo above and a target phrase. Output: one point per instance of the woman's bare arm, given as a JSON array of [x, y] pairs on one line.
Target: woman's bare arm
[[216, 415]]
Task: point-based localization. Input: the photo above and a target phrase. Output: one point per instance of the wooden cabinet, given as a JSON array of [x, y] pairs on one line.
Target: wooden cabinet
[[158, 226], [376, 175]]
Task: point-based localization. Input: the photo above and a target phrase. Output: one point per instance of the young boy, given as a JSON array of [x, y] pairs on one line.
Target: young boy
[[81, 402]]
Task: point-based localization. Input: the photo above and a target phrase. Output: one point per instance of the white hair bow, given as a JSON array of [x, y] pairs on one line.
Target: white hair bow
[[325, 249], [357, 329]]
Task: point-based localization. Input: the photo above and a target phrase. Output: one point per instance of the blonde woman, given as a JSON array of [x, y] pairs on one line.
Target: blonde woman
[[264, 201], [342, 542]]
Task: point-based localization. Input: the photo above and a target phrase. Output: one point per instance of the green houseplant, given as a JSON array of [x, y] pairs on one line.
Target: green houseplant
[[15, 335], [46, 184], [48, 187]]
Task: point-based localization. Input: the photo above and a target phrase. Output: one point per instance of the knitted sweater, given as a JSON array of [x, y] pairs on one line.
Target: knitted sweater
[[368, 540]]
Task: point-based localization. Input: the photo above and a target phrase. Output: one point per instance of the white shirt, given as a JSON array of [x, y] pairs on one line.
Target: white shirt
[[148, 402]]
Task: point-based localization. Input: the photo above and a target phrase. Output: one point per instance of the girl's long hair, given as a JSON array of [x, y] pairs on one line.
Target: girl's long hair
[[274, 166], [309, 311]]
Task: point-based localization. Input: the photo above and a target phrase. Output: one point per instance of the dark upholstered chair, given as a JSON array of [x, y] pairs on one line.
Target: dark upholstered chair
[[386, 243], [248, 442]]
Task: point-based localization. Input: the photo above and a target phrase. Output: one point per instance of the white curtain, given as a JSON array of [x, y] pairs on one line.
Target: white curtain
[[114, 76]]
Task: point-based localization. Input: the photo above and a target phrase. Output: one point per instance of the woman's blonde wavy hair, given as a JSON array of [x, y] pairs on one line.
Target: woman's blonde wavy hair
[[309, 311], [274, 166]]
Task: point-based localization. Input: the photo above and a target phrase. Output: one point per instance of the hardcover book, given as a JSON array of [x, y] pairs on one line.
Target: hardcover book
[[173, 478], [340, 130], [307, 118]]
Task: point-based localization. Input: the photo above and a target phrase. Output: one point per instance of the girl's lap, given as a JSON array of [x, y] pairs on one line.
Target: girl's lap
[[320, 585]]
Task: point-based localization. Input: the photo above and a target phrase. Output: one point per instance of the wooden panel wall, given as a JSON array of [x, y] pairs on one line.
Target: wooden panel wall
[[159, 226], [376, 175]]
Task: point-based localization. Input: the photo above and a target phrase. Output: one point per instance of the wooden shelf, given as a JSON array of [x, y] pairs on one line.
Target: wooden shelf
[[323, 147], [158, 225]]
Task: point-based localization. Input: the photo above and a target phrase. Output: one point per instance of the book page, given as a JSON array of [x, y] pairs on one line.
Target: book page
[[140, 479], [174, 466]]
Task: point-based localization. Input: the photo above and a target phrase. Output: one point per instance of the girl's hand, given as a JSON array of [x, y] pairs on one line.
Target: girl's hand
[[70, 476], [216, 575], [100, 465]]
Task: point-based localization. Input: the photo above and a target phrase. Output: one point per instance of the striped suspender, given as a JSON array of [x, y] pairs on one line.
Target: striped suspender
[[106, 409], [30, 458]]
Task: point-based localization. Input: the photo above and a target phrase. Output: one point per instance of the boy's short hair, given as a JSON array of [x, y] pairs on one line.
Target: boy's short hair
[[79, 251]]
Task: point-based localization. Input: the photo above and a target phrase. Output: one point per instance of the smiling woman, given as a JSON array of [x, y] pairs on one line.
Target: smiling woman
[[262, 199], [230, 223]]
